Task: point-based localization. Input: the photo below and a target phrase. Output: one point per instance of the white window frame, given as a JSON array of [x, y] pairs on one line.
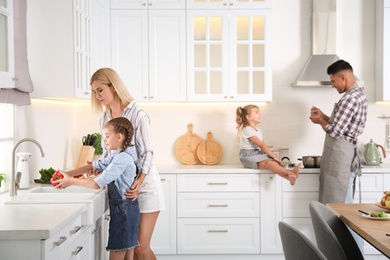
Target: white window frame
[[7, 77], [7, 137]]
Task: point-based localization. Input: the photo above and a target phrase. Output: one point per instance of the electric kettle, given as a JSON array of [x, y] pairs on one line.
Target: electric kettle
[[371, 154]]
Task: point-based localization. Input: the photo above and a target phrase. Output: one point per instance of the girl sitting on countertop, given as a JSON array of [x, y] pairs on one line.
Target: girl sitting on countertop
[[118, 173], [254, 153]]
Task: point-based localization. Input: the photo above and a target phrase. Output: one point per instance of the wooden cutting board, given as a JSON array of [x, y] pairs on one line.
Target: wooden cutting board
[[186, 146], [209, 152]]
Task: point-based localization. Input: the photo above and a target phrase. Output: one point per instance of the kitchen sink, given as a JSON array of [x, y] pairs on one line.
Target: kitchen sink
[[95, 199], [50, 198], [71, 189]]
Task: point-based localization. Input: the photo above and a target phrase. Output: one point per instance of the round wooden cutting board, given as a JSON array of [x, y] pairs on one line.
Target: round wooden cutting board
[[209, 152], [186, 146]]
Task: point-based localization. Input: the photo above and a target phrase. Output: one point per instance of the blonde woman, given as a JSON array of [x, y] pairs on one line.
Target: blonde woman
[[254, 153], [111, 96]]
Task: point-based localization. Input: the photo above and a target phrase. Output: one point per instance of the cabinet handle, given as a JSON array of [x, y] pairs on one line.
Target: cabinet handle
[[231, 97], [162, 179], [75, 230], [59, 242], [217, 183], [77, 251], [15, 79], [94, 232], [218, 206], [86, 93], [217, 231]]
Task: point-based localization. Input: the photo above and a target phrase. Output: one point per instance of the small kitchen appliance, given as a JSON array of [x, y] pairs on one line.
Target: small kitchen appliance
[[23, 169], [371, 153]]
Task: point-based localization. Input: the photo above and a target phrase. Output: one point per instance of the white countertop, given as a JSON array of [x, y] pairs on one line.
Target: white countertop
[[232, 169], [36, 221]]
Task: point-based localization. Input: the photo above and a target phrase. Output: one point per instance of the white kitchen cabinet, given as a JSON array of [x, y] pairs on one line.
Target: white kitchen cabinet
[[148, 51], [60, 46], [57, 246], [218, 214], [270, 213], [164, 235], [382, 50], [229, 55], [148, 4], [7, 64], [223, 4]]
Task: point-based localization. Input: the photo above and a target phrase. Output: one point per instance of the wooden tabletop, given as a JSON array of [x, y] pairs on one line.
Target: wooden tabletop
[[373, 231]]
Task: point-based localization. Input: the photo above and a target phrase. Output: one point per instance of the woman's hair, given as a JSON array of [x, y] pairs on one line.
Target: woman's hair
[[110, 78], [241, 114], [122, 125]]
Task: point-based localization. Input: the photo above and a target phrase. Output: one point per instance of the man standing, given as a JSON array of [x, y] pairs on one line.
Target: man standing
[[340, 162]]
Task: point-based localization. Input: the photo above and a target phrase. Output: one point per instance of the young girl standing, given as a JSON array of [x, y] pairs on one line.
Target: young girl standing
[[118, 173], [254, 153]]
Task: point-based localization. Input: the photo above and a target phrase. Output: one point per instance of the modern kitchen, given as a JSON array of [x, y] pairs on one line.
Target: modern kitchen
[[163, 70]]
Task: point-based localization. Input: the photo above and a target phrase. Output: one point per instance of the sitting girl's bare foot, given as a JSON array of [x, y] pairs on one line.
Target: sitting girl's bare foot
[[292, 177], [296, 169]]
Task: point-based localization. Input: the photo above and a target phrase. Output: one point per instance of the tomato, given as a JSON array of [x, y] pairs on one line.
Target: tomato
[[56, 176]]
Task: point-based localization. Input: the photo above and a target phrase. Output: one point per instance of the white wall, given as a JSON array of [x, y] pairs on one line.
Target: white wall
[[59, 126]]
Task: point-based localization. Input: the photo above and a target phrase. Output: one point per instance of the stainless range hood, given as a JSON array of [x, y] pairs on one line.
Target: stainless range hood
[[324, 32]]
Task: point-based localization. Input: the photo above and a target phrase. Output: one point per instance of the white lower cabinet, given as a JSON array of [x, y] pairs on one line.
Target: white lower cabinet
[[218, 236], [218, 214], [164, 235], [231, 216]]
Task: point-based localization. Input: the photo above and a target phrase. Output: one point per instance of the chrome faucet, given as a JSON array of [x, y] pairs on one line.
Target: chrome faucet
[[14, 183]]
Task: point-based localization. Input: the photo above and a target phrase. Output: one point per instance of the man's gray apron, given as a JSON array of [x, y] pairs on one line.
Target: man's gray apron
[[339, 159]]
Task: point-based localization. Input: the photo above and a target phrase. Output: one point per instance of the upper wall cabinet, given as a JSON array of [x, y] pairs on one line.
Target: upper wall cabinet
[[148, 51], [229, 55], [223, 4], [61, 51], [148, 4], [383, 50], [7, 66]]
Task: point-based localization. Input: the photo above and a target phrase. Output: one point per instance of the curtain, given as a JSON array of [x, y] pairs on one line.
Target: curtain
[[20, 95]]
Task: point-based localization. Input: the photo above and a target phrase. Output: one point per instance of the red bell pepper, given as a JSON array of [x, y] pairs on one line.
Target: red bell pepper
[[56, 176]]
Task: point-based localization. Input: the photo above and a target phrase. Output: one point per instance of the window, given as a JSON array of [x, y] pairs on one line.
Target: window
[[6, 139], [7, 70]]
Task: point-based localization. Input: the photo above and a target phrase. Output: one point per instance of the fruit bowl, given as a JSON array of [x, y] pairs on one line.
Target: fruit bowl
[[381, 206]]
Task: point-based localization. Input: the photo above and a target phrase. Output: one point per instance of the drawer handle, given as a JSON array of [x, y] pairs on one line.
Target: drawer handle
[[75, 230], [59, 242], [77, 251], [217, 183], [218, 206], [217, 231]]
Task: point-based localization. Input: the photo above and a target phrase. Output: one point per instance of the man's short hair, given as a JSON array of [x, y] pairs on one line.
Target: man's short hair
[[339, 66]]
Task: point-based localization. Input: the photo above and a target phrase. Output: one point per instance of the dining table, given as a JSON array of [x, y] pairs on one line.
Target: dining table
[[375, 231]]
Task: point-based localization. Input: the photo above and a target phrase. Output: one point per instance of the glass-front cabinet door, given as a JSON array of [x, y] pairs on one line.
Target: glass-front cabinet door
[[7, 68], [229, 56]]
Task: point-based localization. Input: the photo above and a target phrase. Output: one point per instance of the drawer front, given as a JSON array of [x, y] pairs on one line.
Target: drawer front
[[245, 204], [56, 243], [305, 182], [296, 204], [218, 182], [370, 182], [219, 236]]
